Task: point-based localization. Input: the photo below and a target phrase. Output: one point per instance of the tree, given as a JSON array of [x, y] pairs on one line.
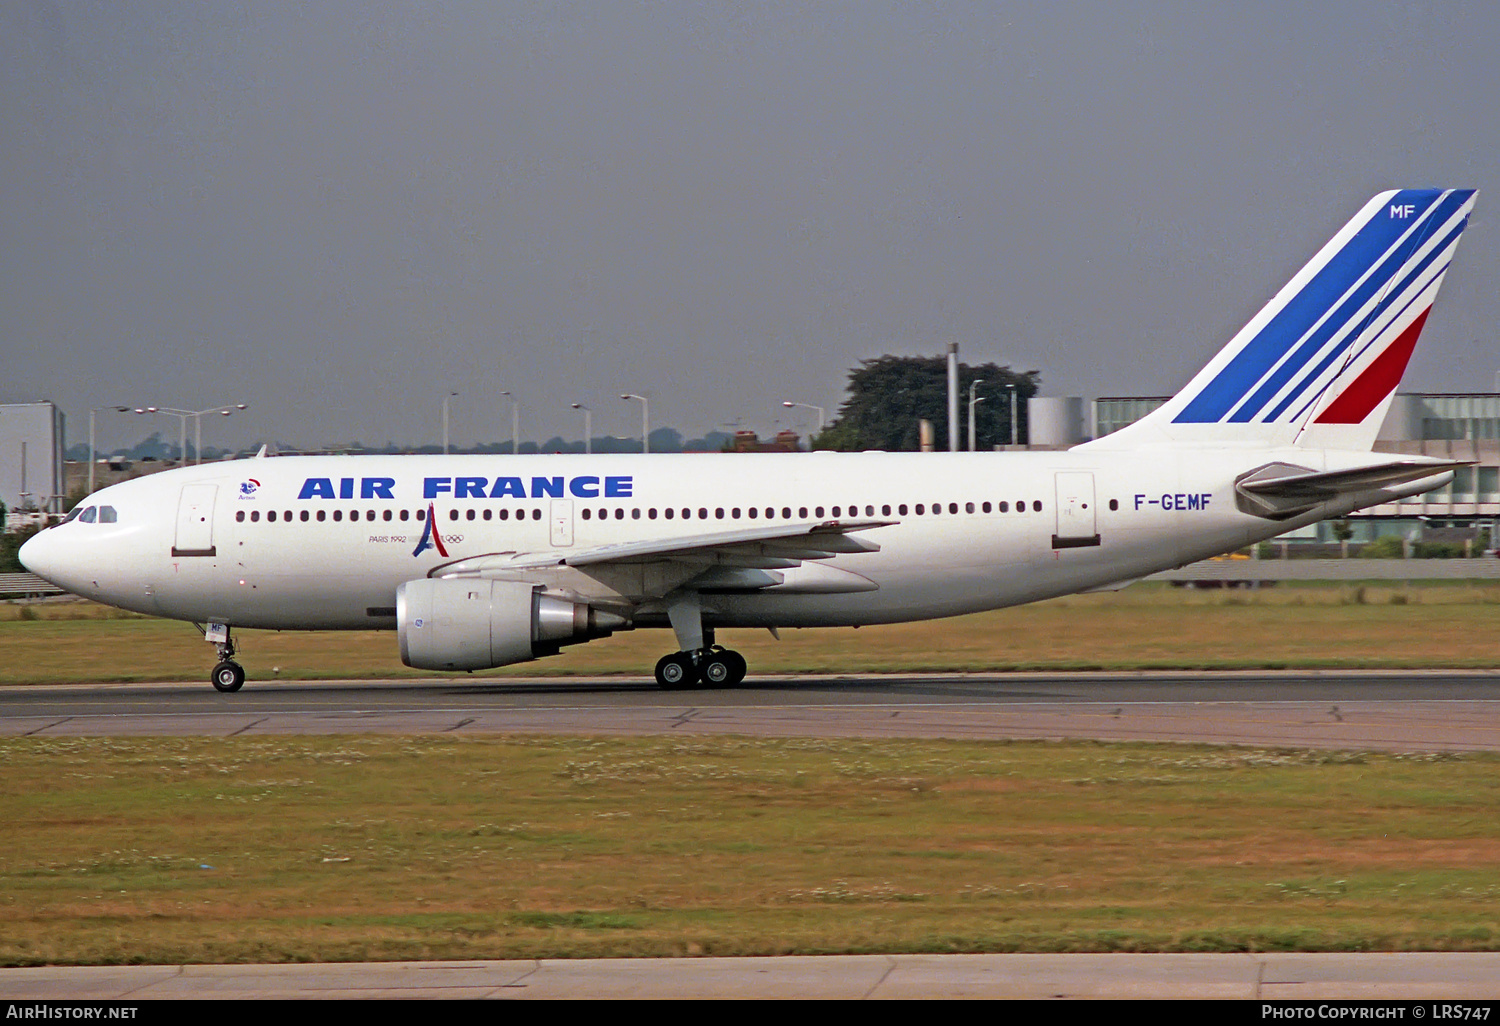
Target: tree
[[890, 394]]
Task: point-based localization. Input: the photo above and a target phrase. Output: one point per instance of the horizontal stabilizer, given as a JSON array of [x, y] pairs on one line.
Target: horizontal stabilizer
[[1281, 490]]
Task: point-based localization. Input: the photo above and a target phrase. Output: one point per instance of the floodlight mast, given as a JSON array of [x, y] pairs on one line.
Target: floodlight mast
[[645, 419], [182, 418]]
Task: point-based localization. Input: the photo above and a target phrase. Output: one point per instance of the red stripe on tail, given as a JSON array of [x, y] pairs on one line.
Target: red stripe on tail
[[1378, 381]]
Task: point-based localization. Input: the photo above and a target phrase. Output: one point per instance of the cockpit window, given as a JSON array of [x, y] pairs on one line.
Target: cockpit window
[[88, 515], [107, 515], [72, 515]]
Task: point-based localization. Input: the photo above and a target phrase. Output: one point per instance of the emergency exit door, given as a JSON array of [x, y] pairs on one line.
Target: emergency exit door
[[1077, 520], [562, 523]]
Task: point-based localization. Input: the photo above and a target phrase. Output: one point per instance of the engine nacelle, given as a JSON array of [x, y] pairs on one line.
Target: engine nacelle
[[467, 624]]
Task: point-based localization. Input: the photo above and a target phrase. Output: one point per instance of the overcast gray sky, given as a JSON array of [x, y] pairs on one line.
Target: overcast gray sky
[[338, 213]]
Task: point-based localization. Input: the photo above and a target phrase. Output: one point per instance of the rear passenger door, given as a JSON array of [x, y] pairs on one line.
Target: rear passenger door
[[1077, 521]]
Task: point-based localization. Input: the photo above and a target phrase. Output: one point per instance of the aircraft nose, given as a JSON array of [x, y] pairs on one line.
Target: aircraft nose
[[44, 554]]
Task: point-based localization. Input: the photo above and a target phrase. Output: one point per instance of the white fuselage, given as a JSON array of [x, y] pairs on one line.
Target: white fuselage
[[324, 542]]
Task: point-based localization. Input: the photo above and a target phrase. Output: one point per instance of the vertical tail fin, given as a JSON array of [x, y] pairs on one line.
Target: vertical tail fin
[[1318, 365]]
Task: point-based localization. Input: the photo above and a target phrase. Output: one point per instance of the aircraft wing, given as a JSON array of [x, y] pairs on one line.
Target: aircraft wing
[[764, 548]]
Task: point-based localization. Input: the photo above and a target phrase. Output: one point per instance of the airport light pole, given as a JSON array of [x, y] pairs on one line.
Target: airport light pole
[[822, 414], [645, 419], [1011, 385], [93, 455], [447, 397], [515, 424], [197, 415], [972, 401], [588, 428]]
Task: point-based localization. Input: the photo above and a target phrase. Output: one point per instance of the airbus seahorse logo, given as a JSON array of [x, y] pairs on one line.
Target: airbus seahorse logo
[[431, 539]]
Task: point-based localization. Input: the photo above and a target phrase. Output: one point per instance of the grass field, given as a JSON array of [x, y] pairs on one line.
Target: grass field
[[369, 848], [1144, 627]]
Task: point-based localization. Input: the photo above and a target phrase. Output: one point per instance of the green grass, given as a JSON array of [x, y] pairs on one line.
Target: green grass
[[1145, 627], [337, 848]]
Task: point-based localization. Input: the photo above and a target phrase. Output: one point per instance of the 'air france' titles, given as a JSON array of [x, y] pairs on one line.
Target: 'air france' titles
[[583, 486]]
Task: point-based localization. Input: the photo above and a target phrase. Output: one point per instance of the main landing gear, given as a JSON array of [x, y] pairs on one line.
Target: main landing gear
[[713, 667], [228, 675], [701, 663]]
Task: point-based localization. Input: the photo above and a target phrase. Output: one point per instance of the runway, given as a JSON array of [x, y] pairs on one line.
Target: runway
[[1395, 710]]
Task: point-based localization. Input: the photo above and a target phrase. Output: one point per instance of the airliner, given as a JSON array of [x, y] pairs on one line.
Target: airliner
[[485, 561]]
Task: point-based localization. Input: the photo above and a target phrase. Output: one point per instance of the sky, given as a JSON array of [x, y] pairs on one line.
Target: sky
[[339, 214]]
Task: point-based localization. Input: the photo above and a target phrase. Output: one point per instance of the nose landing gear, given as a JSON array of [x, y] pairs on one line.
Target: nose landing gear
[[228, 675]]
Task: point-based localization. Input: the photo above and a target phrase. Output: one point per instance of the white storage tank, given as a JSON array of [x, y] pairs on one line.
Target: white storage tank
[[1055, 422]]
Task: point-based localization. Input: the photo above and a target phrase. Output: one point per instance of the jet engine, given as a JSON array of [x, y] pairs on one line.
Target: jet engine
[[470, 624]]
